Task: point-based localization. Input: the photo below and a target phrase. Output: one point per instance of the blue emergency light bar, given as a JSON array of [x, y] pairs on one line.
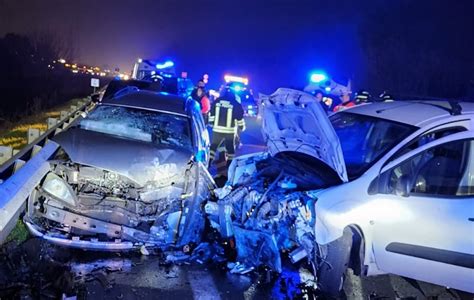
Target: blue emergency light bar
[[231, 78], [165, 65], [318, 77]]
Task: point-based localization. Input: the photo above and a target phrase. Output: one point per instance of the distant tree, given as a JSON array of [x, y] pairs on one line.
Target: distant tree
[[27, 83]]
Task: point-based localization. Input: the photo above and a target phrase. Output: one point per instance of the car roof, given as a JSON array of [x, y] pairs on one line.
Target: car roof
[[151, 101], [413, 112], [117, 85]]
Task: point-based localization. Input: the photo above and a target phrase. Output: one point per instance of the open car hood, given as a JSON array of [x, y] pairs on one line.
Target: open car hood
[[294, 122]]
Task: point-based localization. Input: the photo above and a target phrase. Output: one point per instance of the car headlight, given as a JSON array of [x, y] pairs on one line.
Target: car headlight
[[57, 187]]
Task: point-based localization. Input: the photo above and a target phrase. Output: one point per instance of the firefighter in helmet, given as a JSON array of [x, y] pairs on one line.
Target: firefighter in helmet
[[226, 118], [362, 96]]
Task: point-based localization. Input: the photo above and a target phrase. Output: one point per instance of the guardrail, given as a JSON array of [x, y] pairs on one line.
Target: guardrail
[[21, 173]]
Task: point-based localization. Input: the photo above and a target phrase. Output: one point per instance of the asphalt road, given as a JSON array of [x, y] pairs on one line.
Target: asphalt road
[[37, 269]]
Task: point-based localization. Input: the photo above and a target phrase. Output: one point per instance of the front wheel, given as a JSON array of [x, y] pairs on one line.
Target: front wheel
[[332, 268]]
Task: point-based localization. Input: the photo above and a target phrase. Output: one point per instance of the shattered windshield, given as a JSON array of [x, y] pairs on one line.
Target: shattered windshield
[[365, 139], [138, 124]]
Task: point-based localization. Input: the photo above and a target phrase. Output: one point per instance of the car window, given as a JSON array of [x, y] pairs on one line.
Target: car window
[[365, 139], [425, 139], [138, 124], [444, 170]]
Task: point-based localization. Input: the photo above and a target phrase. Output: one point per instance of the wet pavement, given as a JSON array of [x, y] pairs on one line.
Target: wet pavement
[[38, 270]]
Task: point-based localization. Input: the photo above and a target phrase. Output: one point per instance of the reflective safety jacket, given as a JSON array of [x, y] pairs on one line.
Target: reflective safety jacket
[[343, 106], [226, 116]]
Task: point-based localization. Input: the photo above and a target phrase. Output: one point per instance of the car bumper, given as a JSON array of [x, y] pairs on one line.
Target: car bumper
[[117, 245]]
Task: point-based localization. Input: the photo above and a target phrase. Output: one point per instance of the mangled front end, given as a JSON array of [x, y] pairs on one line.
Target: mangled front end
[[267, 206], [155, 203], [270, 208]]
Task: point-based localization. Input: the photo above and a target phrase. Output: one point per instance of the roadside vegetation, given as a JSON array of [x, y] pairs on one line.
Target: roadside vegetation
[[14, 134]]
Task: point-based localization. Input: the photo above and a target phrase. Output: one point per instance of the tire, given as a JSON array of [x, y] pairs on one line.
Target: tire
[[332, 270]]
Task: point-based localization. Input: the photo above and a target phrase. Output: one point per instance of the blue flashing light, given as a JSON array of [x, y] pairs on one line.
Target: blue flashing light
[[327, 89], [200, 156], [166, 64], [318, 77]]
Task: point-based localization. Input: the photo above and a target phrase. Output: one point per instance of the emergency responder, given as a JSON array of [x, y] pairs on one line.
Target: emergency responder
[[199, 95], [346, 102], [362, 96], [386, 97], [328, 102], [319, 95], [226, 118]]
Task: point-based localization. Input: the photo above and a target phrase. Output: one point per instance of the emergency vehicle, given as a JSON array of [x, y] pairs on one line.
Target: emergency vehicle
[[165, 73], [244, 94]]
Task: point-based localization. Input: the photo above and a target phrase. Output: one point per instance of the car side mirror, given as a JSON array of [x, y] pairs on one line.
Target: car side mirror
[[403, 186]]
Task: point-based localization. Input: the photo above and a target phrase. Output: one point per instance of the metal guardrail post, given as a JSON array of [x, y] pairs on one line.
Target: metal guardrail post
[[51, 122], [6, 152], [32, 135], [63, 115]]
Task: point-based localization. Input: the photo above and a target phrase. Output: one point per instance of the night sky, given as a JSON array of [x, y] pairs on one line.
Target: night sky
[[274, 43]]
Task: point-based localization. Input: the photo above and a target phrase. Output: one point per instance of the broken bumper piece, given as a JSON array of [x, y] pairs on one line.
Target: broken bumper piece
[[82, 244]]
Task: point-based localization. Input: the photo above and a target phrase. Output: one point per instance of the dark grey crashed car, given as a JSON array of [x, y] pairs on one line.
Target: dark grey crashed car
[[130, 174]]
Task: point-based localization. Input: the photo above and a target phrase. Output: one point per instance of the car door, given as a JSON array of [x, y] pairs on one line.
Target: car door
[[427, 232]]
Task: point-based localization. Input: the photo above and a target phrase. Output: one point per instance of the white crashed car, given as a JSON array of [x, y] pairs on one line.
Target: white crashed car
[[380, 188]]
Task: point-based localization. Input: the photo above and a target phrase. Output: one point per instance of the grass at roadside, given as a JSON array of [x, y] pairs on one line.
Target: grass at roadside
[[19, 234], [14, 134]]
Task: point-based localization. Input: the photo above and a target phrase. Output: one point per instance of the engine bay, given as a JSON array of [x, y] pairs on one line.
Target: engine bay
[[99, 206], [267, 209]]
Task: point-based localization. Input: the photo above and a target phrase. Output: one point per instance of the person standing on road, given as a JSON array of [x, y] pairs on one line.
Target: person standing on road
[[386, 97], [346, 102], [199, 95], [362, 96], [226, 118], [319, 95]]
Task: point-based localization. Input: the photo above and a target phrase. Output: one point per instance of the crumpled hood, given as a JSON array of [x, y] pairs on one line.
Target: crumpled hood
[[294, 122], [139, 161]]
